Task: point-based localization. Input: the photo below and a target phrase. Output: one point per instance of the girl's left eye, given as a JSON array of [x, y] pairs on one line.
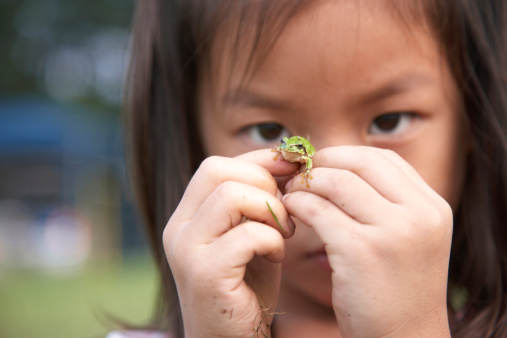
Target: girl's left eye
[[391, 124], [266, 133]]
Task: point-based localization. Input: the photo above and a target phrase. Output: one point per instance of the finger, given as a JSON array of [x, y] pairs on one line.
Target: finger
[[238, 246], [228, 204], [334, 227], [255, 168], [346, 191], [266, 159], [281, 169], [383, 169]]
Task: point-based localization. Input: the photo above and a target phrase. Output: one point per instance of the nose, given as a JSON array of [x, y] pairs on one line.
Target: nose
[[337, 136]]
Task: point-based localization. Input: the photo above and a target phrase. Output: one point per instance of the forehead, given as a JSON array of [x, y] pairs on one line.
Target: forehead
[[243, 34], [358, 38]]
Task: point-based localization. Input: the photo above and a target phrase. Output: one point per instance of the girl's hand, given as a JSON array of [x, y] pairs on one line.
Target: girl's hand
[[387, 236], [224, 288]]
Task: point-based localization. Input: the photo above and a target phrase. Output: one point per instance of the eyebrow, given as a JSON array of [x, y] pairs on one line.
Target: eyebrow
[[399, 85], [252, 99]]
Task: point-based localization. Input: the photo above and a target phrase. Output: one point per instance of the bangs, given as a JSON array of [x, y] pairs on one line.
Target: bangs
[[233, 28], [251, 27]]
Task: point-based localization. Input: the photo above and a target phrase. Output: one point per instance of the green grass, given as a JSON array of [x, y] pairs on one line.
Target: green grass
[[42, 305]]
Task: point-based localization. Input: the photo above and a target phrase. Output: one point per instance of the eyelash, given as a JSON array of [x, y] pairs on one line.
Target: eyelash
[[391, 124], [265, 133], [401, 121]]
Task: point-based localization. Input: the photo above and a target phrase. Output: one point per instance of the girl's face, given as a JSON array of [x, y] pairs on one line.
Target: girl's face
[[342, 72]]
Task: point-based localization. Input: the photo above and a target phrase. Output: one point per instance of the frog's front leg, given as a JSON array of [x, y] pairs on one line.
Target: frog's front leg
[[278, 152], [305, 174]]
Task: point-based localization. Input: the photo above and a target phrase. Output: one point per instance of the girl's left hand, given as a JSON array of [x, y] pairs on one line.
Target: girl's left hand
[[387, 236]]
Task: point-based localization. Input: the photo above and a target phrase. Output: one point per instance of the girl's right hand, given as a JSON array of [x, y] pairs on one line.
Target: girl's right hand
[[224, 287]]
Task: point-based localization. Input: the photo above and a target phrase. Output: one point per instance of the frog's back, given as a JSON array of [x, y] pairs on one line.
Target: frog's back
[[310, 150]]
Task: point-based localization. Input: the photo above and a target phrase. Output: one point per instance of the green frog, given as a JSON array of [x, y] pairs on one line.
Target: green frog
[[297, 149]]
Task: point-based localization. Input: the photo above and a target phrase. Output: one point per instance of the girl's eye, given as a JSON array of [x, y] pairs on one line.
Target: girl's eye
[[266, 133], [394, 123]]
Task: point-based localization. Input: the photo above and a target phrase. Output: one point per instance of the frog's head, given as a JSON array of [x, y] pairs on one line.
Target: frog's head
[[293, 145]]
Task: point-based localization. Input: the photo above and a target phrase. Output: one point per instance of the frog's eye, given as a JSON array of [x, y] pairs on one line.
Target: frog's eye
[[300, 146]]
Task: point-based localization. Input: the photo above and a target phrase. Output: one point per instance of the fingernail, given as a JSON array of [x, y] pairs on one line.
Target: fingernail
[[279, 194], [284, 197], [288, 185], [291, 224]]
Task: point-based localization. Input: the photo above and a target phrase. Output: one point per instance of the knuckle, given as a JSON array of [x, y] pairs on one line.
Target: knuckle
[[382, 155], [319, 207], [268, 182], [343, 178], [168, 234], [209, 164], [389, 153], [175, 244], [173, 249], [435, 218], [225, 189], [264, 235], [248, 230], [378, 155], [436, 224], [446, 211]]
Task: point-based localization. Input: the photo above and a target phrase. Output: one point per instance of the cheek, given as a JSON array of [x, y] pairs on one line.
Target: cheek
[[440, 158]]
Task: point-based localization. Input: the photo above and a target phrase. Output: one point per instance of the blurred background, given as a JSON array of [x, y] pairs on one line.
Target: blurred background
[[71, 250]]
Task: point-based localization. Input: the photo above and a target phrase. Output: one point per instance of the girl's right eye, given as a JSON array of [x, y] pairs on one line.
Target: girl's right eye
[[391, 124], [265, 133]]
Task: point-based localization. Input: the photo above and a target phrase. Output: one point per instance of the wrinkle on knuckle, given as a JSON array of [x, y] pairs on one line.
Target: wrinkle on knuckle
[[318, 207], [378, 155], [389, 153], [343, 179]]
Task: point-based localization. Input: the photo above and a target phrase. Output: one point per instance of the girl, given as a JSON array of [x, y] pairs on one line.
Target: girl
[[405, 102]]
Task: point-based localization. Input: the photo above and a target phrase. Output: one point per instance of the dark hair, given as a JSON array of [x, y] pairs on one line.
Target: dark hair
[[171, 47]]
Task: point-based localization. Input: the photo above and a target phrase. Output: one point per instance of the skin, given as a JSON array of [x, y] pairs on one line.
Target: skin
[[370, 254]]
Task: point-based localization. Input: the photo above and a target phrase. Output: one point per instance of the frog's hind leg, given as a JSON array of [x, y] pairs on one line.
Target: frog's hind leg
[[304, 177], [305, 174]]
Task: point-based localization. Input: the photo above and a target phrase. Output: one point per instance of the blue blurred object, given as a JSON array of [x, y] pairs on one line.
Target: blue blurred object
[[61, 167], [35, 132], [31, 123]]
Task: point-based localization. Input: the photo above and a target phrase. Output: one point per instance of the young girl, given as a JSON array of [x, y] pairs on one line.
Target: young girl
[[405, 102]]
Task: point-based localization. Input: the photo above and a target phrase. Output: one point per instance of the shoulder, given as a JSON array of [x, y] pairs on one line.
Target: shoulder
[[138, 334]]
